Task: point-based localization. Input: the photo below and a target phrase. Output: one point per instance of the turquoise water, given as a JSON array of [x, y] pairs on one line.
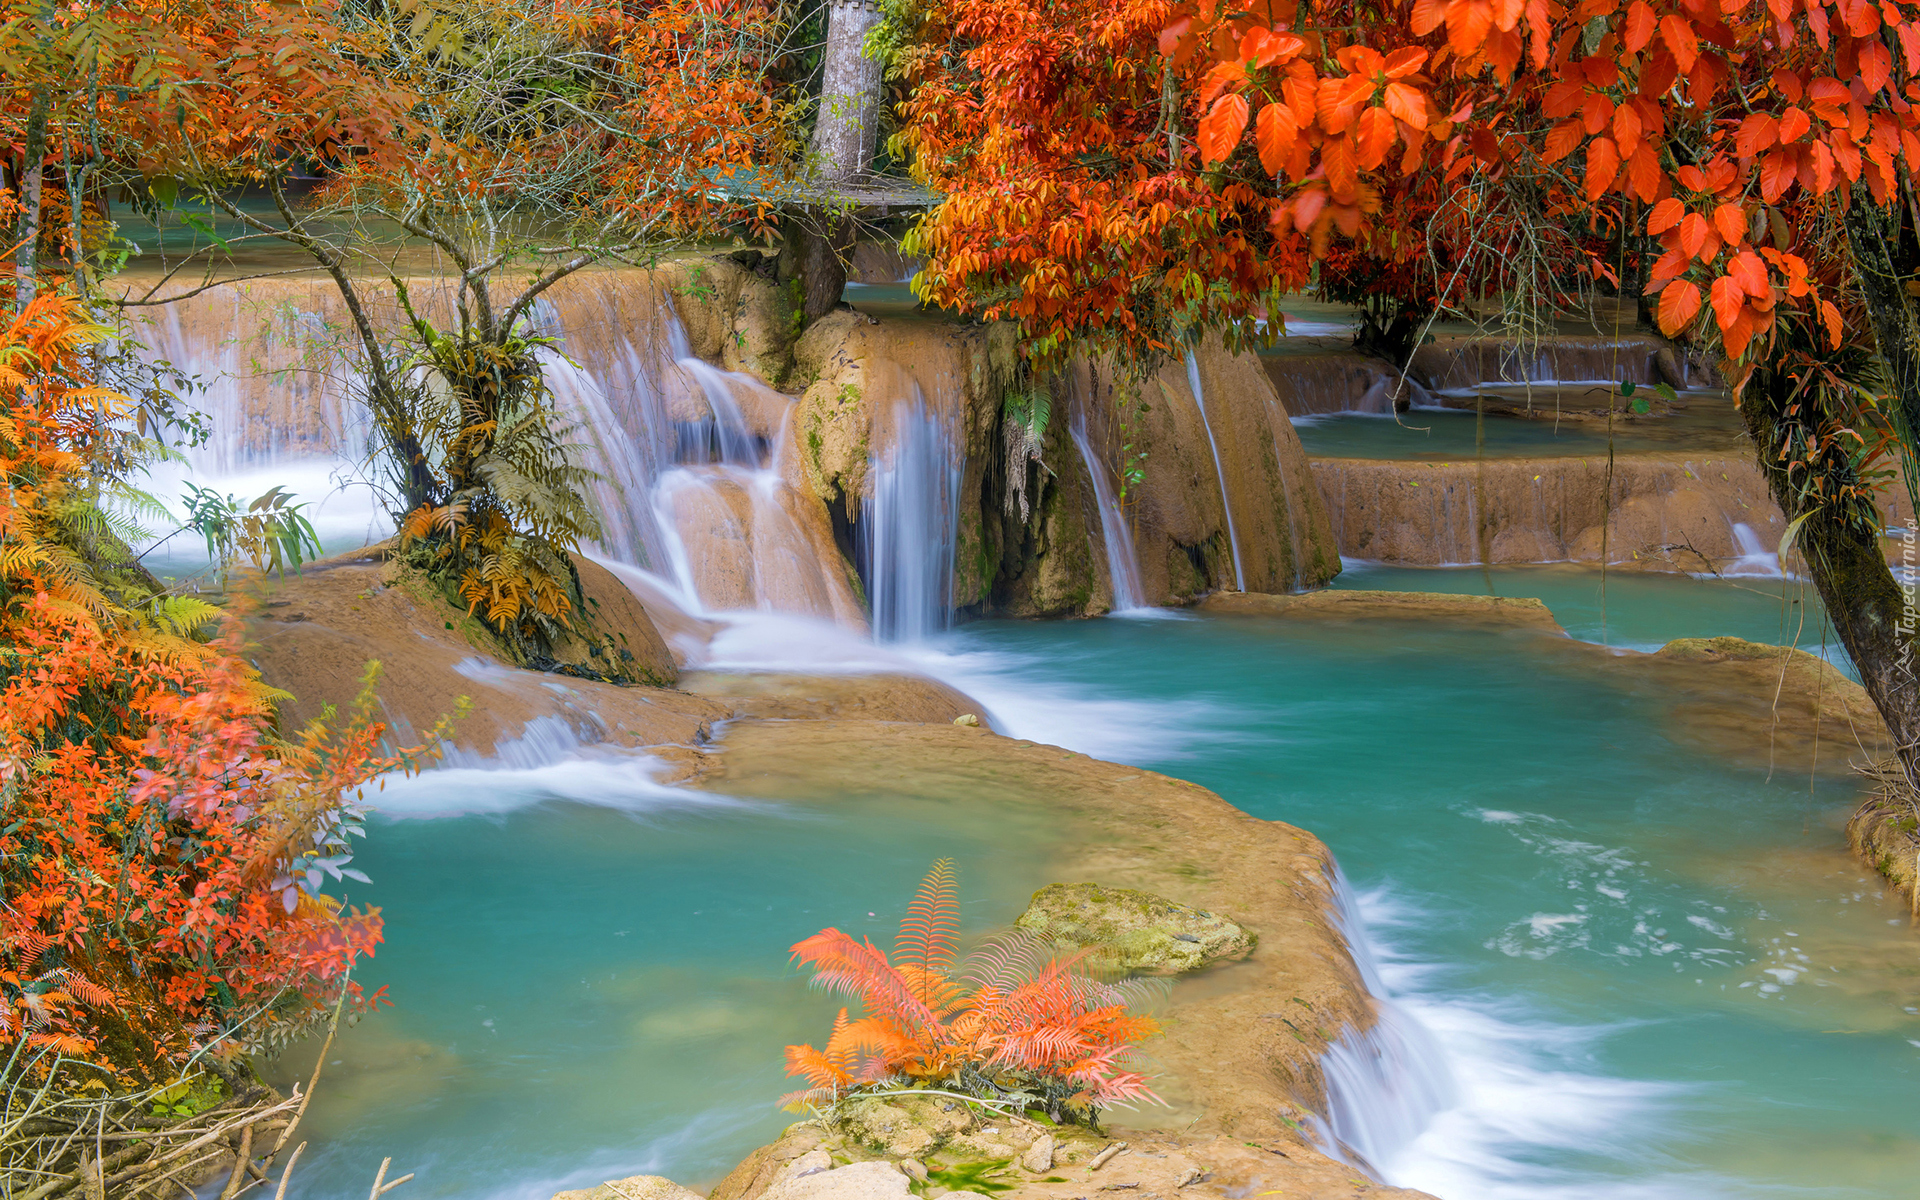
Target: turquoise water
[[1437, 435], [589, 973], [1633, 610], [1653, 970]]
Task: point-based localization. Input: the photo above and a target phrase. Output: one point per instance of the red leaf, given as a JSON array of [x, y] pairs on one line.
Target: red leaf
[[1793, 123], [1427, 15], [1757, 132], [1306, 208], [1343, 173], [1603, 163], [1639, 27], [1506, 14], [1677, 33], [1563, 139], [1679, 305], [1776, 174], [1626, 128], [1563, 98], [1221, 129], [1644, 169], [1263, 47]]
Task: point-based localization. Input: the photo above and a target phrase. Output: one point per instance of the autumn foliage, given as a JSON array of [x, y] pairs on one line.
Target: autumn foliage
[[162, 851], [1010, 1019]]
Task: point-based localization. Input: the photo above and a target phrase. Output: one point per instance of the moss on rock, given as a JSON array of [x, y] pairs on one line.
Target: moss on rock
[[1133, 931]]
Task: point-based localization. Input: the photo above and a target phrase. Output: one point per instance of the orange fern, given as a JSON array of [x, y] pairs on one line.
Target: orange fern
[[1013, 1008]]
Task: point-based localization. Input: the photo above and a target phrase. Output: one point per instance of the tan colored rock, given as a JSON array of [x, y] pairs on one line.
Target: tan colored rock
[[820, 697], [1667, 511], [1131, 931], [855, 1181], [314, 634], [633, 1187], [1039, 1157], [1370, 605]]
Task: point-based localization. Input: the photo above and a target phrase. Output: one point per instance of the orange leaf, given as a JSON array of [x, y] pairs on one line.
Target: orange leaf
[[1468, 23], [1679, 305], [1694, 232], [1644, 169], [1426, 16], [1750, 273], [1665, 215], [1263, 47], [1404, 62], [1639, 27], [1626, 128], [1727, 298], [1338, 101], [1274, 132], [1506, 14], [1409, 104], [1374, 137], [1731, 221], [1831, 315], [1793, 123], [1221, 129], [1776, 174]]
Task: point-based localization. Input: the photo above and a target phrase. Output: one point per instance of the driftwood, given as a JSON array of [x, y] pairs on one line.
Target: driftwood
[[58, 1142]]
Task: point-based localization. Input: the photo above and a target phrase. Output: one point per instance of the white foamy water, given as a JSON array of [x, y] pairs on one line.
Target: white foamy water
[[603, 778]]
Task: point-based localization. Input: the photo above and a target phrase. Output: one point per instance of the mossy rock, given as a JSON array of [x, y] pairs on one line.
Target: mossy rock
[[1132, 931]]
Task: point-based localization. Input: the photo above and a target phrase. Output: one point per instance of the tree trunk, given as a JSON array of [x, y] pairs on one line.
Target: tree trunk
[[1874, 235], [850, 93], [815, 259], [32, 160], [1868, 610]]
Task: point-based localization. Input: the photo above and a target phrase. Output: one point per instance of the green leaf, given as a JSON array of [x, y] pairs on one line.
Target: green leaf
[[1667, 393], [1627, 387], [1642, 407]]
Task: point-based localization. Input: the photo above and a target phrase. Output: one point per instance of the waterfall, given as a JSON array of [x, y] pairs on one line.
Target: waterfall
[[1755, 558], [696, 483], [1226, 502], [1123, 564], [908, 531], [1385, 1084]]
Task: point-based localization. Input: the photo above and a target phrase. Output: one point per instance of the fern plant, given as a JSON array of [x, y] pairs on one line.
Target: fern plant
[[1009, 1023]]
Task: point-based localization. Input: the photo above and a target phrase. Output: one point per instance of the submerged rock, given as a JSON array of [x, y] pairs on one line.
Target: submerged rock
[[634, 1187], [1133, 931]]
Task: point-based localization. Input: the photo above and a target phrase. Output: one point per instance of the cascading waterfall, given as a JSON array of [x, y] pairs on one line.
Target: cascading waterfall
[[1387, 1083], [1123, 564], [1226, 502], [691, 489], [908, 530]]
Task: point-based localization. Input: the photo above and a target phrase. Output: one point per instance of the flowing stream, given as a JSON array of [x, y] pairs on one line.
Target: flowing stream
[[1621, 964]]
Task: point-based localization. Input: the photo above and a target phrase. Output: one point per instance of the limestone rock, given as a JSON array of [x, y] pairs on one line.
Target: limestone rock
[[634, 1187], [902, 1127], [1133, 931], [855, 1181], [1039, 1156]]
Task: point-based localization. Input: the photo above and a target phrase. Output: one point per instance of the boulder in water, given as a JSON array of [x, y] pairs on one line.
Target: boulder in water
[[1133, 931]]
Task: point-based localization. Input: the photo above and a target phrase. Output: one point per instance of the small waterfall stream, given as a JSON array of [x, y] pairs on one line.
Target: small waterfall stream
[[1385, 1084], [1226, 501], [1123, 563], [908, 530]]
